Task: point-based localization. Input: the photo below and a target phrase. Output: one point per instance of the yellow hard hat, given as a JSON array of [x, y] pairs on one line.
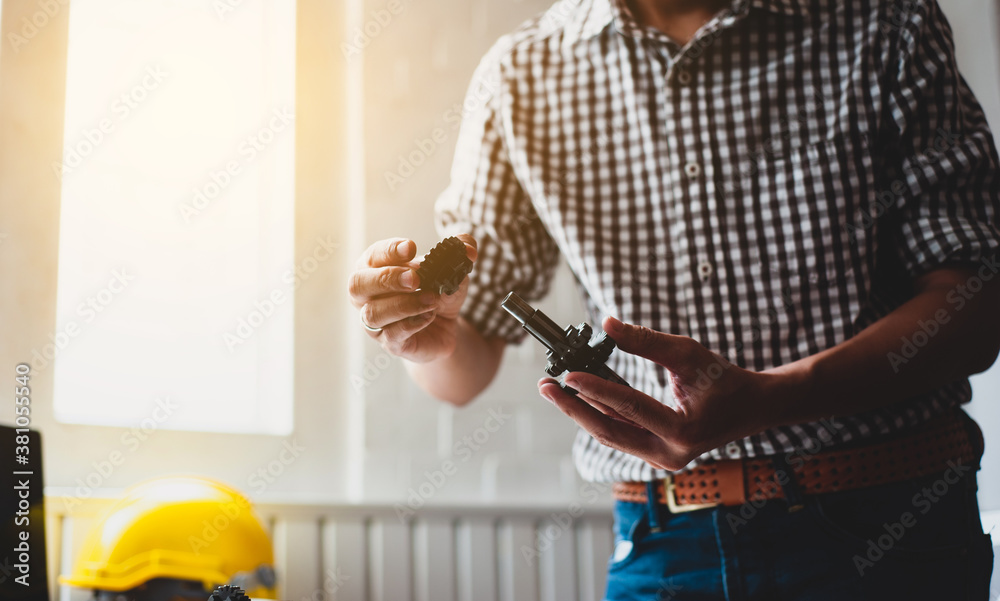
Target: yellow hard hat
[[191, 530]]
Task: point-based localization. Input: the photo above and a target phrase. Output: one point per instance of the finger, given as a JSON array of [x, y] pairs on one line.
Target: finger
[[393, 251], [610, 433], [367, 283], [596, 405], [398, 332], [666, 349], [628, 402], [471, 246], [380, 312], [607, 410]]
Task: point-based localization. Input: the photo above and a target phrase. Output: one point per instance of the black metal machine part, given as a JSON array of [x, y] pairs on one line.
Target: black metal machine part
[[228, 592], [569, 349], [444, 267]]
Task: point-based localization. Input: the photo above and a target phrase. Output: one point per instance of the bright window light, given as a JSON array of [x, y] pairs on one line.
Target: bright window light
[[176, 262]]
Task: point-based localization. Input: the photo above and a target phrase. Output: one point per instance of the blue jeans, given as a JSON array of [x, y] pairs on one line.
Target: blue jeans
[[914, 540]]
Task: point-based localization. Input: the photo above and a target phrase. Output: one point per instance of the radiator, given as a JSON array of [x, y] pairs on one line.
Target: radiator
[[370, 553]]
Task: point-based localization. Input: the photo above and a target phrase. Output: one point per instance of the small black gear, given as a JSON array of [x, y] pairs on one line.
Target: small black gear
[[587, 355], [228, 592], [444, 268]]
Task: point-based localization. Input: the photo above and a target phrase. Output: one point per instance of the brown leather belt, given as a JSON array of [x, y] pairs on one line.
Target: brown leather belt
[[949, 439]]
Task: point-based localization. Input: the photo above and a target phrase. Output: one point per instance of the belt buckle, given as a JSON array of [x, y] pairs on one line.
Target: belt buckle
[[670, 490]]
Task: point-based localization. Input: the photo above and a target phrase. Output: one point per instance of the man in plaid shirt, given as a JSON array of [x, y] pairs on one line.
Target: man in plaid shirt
[[785, 211]]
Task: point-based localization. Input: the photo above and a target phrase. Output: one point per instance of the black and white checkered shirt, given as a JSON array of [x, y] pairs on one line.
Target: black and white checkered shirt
[[771, 188]]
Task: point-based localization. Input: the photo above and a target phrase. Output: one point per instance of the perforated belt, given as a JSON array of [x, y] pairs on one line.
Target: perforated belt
[[948, 440]]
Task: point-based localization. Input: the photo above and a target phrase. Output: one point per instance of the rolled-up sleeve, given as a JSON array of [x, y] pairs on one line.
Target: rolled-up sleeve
[[484, 198], [947, 158]]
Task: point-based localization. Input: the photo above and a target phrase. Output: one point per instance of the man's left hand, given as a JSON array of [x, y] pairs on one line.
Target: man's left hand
[[716, 401]]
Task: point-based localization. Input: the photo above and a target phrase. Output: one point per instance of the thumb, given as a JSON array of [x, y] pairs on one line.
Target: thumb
[[471, 246], [668, 350]]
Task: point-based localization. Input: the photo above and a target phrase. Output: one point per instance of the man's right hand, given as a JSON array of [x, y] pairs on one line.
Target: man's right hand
[[419, 326]]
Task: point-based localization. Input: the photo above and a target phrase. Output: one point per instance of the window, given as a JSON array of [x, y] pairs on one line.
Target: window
[[176, 256]]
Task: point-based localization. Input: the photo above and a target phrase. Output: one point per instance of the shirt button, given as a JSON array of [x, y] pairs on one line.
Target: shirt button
[[683, 77], [704, 270], [692, 169]]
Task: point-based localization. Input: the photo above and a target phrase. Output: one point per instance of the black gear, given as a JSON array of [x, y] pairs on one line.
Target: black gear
[[569, 349], [444, 268], [586, 354], [228, 592]]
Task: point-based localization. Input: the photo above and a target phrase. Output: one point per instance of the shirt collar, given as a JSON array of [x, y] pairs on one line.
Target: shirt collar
[[601, 13]]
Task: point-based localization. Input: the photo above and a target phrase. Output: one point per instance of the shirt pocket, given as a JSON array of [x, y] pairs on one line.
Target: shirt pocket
[[812, 249]]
